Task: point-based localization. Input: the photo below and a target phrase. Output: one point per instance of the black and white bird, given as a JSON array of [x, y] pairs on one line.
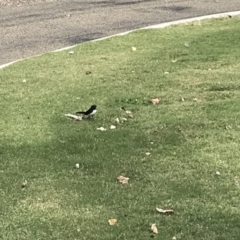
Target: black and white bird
[[90, 112]]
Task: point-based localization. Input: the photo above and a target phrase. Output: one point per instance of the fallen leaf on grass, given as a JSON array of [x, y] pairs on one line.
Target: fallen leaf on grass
[[117, 120], [124, 119], [24, 184], [196, 100], [123, 180], [134, 48], [155, 100], [167, 211], [101, 129], [128, 113], [74, 117], [112, 221], [154, 228]]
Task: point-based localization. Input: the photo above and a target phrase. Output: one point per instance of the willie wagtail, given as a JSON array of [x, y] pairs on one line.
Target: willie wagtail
[[90, 112]]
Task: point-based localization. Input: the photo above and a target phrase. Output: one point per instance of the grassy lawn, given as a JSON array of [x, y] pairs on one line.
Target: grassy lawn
[[193, 135]]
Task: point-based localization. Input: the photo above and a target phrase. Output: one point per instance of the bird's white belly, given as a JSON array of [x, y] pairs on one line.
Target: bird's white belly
[[93, 112]]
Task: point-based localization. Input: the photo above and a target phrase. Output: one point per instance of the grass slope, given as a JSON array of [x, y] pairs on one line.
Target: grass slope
[[189, 140]]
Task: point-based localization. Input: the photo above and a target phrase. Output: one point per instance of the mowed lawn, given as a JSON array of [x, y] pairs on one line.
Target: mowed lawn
[[192, 135]]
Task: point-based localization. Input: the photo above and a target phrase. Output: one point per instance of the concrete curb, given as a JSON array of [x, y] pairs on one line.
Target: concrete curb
[[161, 25]]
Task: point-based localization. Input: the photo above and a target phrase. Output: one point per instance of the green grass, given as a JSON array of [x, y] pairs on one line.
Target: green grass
[[191, 139]]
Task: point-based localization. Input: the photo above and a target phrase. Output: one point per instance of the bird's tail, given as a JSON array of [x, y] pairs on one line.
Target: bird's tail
[[80, 112]]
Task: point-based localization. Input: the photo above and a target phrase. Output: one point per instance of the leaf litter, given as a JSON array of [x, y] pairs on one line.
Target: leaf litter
[[74, 117], [102, 129], [24, 184], [123, 180], [165, 211], [154, 228], [112, 221], [155, 101]]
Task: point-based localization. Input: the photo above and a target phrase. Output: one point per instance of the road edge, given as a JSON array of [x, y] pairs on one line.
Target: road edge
[[161, 25]]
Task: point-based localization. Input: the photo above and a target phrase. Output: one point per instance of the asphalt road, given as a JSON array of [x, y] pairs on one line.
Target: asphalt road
[[27, 30]]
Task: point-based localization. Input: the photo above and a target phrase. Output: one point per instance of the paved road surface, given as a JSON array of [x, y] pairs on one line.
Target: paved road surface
[[30, 29]]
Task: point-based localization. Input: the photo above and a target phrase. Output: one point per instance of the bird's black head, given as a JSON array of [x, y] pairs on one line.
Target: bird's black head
[[93, 106]]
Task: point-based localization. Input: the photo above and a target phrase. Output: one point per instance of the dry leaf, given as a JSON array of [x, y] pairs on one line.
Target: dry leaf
[[155, 100], [154, 228], [74, 117], [101, 129], [117, 120], [112, 221], [134, 48], [196, 100], [129, 113], [123, 180], [167, 211], [147, 153], [24, 184]]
